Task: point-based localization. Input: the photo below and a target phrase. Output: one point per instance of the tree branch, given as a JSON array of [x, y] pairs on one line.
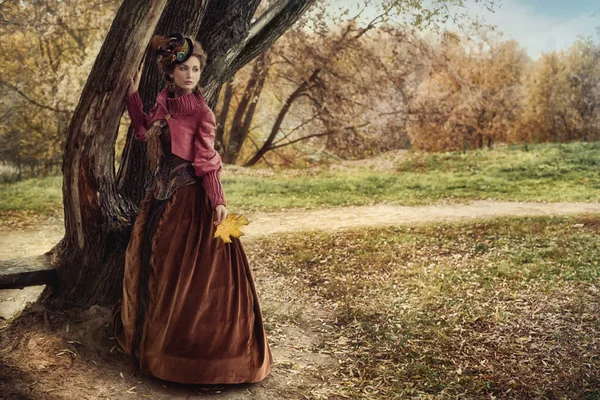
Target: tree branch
[[329, 132], [266, 30], [295, 129], [257, 147], [16, 89]]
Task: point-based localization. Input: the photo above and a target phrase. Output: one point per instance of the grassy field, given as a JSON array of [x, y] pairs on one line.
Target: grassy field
[[507, 308], [39, 195], [502, 308], [547, 172]]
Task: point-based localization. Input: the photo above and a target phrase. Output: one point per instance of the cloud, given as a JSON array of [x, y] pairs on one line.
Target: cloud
[[535, 28], [537, 33]]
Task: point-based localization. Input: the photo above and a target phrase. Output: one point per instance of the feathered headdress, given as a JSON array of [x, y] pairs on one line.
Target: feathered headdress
[[172, 49]]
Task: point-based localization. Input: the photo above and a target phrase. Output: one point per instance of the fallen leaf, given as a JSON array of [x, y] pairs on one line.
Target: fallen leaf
[[230, 227]]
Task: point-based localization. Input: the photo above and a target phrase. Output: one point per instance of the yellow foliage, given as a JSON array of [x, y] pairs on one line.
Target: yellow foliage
[[560, 95], [231, 227], [470, 98], [491, 92], [50, 46]]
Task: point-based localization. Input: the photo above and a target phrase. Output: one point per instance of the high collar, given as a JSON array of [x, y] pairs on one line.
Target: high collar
[[181, 105]]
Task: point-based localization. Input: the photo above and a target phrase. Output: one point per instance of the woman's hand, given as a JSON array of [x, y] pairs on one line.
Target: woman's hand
[[134, 83], [221, 213]]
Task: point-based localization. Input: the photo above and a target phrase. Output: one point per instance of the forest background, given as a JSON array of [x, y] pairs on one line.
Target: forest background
[[335, 86], [410, 197]]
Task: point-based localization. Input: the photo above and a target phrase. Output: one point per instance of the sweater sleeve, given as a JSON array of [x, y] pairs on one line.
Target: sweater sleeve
[[139, 119], [212, 184], [206, 158]]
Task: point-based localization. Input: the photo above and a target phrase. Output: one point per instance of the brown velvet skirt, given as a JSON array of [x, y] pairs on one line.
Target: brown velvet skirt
[[190, 312]]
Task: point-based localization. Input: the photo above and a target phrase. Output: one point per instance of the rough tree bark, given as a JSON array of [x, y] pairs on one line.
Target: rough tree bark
[[98, 216], [95, 215]]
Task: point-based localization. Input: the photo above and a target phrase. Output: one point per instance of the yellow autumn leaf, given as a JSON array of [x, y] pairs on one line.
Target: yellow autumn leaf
[[230, 227]]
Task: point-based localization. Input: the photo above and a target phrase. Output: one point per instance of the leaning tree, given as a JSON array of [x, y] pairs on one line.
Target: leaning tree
[[100, 204]]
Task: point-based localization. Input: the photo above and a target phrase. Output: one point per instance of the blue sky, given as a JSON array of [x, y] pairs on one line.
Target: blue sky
[[538, 25], [544, 25], [561, 8]]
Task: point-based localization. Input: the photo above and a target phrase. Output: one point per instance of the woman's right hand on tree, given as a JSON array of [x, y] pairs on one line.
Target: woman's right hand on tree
[[134, 83]]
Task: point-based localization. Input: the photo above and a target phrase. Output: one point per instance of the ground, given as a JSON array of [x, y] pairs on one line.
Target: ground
[[46, 355]]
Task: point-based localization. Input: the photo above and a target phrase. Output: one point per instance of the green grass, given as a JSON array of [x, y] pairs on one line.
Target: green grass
[[547, 172], [40, 195], [552, 173], [506, 308]]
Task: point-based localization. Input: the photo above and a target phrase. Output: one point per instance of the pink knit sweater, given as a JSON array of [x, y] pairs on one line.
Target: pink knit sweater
[[192, 124]]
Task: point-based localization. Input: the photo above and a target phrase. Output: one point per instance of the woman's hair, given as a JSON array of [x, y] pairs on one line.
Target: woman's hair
[[166, 64]]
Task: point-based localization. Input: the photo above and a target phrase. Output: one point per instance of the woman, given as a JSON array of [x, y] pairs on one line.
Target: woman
[[190, 312]]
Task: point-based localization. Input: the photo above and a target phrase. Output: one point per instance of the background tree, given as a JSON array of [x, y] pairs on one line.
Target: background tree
[[471, 97], [561, 95], [245, 108], [89, 260], [49, 46], [332, 66]]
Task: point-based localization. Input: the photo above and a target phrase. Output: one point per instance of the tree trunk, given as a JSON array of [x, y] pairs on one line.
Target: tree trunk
[[234, 47], [98, 216], [222, 116], [244, 113], [236, 133], [249, 117], [267, 145]]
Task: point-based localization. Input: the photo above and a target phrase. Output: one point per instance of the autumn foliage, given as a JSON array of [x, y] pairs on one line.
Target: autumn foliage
[[350, 90], [48, 49], [561, 96], [492, 92]]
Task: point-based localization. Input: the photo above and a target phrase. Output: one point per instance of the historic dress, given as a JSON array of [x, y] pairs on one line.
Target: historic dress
[[190, 311]]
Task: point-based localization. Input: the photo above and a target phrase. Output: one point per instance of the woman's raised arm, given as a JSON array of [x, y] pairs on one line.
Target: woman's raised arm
[[139, 119]]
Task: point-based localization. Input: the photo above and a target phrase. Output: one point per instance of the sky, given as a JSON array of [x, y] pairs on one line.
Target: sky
[[538, 25], [544, 25]]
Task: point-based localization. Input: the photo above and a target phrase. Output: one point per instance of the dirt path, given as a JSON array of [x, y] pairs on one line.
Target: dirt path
[[68, 357], [385, 215], [40, 238], [31, 241]]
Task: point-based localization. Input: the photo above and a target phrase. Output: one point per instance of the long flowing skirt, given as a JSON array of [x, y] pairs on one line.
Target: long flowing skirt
[[190, 312]]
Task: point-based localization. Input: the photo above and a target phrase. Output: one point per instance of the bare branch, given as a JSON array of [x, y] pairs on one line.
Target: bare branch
[[258, 147], [295, 129], [32, 101], [329, 132]]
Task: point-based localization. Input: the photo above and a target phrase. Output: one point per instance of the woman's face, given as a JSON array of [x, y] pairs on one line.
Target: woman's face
[[187, 74]]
